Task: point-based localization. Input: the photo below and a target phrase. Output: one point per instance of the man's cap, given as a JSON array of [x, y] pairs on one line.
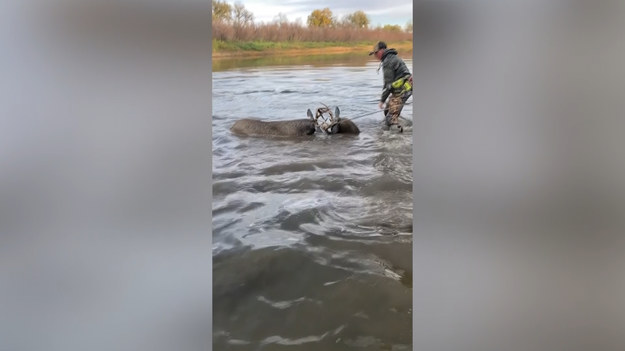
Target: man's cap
[[377, 47]]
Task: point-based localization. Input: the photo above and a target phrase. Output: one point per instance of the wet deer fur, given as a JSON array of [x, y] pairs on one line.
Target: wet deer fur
[[256, 127]]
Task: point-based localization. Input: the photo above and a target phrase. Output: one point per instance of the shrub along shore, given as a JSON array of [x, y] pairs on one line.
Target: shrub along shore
[[244, 49]]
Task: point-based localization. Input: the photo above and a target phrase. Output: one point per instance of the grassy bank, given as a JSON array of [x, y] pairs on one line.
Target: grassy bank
[[229, 49]]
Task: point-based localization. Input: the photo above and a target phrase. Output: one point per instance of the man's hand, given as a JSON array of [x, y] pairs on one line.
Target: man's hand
[[381, 105]]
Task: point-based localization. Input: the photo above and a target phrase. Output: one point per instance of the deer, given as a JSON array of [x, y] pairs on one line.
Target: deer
[[297, 127]]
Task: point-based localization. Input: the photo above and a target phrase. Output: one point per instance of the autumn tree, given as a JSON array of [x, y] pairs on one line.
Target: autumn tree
[[242, 17], [409, 26], [281, 19], [321, 18], [222, 11], [358, 19], [242, 20], [392, 27]]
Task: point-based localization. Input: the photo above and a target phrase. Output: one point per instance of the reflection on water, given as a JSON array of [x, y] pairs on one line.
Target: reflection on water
[[352, 59], [312, 236]]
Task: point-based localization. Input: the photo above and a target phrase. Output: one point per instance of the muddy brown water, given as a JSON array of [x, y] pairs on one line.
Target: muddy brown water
[[312, 236]]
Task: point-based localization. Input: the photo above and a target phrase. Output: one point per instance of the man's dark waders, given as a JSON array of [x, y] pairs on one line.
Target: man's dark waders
[[402, 90]]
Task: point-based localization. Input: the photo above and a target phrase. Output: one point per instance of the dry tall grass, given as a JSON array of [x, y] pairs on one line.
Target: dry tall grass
[[296, 32]]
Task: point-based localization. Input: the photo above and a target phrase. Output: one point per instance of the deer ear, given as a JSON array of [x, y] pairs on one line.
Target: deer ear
[[309, 113], [337, 112]]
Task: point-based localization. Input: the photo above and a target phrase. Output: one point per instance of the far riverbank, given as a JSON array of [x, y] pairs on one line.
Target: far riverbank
[[228, 50]]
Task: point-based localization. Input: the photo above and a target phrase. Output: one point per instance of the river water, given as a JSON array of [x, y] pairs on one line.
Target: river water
[[312, 236]]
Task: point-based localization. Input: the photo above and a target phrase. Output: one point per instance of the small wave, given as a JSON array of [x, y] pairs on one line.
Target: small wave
[[387, 184], [229, 207], [284, 341], [295, 186], [238, 342], [288, 168], [228, 175], [363, 341], [291, 221], [331, 283], [225, 187], [251, 206], [247, 92], [285, 304]]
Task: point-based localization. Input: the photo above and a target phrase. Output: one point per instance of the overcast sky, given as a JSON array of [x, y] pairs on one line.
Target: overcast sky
[[379, 11]]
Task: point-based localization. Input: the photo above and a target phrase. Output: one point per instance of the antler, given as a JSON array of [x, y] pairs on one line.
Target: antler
[[326, 125], [325, 109]]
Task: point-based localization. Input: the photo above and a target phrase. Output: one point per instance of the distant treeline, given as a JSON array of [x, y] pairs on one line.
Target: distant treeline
[[296, 32], [235, 23]]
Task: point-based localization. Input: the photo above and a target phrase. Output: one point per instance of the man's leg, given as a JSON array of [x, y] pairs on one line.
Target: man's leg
[[395, 106]]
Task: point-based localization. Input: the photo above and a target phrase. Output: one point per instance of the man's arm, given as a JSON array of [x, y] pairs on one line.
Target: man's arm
[[388, 79]]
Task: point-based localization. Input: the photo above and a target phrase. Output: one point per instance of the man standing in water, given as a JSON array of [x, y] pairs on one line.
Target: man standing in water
[[397, 83]]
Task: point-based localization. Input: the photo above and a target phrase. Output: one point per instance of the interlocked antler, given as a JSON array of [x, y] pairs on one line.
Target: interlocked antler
[[322, 110], [326, 124]]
